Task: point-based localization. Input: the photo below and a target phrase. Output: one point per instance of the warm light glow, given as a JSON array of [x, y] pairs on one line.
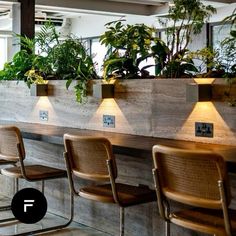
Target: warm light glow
[[110, 81], [44, 104], [204, 80], [109, 106], [205, 112]]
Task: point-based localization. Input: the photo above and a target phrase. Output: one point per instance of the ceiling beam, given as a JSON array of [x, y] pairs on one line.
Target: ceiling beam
[[143, 2], [221, 1], [161, 10], [27, 9], [100, 6]]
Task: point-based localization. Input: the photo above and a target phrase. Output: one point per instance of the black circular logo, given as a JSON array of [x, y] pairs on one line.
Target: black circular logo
[[29, 205]]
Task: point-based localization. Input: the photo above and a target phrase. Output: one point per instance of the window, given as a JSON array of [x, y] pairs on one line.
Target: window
[[98, 53], [3, 51], [219, 33]]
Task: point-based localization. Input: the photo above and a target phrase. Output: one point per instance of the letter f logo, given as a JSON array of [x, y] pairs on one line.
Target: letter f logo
[[27, 205]]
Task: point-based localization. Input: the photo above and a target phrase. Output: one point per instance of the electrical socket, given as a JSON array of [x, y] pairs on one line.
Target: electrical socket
[[109, 121], [204, 129], [43, 115]]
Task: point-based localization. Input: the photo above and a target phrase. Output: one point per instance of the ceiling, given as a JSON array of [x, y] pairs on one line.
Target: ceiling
[[157, 2], [138, 7], [75, 8]]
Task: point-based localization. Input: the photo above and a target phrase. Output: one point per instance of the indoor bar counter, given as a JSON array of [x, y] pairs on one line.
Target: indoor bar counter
[[126, 144], [44, 145], [122, 109]]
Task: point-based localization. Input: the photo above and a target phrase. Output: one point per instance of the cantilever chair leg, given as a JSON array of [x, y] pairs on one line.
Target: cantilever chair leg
[[42, 186], [167, 228], [7, 208], [15, 190], [39, 231], [167, 213], [16, 183], [122, 221]]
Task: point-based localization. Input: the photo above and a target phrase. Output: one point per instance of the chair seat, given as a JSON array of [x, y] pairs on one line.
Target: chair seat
[[204, 220], [129, 195], [35, 172]]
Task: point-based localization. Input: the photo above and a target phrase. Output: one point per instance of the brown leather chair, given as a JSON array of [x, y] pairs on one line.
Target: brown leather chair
[[197, 179], [12, 149], [91, 158]]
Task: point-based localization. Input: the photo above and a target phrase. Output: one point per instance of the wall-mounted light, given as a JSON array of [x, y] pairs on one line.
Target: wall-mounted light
[[103, 90], [39, 90], [199, 91]]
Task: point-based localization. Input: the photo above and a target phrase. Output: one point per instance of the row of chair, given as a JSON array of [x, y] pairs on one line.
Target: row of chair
[[195, 178]]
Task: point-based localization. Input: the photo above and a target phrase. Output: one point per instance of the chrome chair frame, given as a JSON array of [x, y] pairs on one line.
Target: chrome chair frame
[[21, 157], [112, 174], [162, 199]]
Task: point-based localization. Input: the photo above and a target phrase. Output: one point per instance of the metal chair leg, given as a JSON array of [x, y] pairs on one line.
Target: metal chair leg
[[7, 208], [42, 186], [15, 189], [35, 232], [167, 228], [16, 185], [122, 221]]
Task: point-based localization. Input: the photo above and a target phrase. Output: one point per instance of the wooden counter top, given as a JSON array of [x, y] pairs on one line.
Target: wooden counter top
[[132, 145]]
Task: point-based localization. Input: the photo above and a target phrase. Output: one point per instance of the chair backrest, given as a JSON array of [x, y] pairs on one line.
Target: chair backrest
[[191, 177], [11, 143], [88, 157]]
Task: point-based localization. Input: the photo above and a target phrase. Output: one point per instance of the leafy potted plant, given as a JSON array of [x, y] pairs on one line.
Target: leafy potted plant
[[70, 61], [128, 46], [186, 18], [38, 85], [54, 59]]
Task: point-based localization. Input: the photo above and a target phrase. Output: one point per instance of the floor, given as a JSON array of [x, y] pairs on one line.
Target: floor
[[14, 227]]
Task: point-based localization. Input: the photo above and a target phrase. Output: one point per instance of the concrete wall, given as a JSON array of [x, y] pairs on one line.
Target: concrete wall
[[143, 107], [150, 107]]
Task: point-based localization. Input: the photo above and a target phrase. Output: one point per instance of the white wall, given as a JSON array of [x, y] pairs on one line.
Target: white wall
[[93, 25]]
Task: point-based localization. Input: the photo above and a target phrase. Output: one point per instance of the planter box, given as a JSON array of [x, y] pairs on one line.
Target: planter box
[[39, 90], [103, 90]]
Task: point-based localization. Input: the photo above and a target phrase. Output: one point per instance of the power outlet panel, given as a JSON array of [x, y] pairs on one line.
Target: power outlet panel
[[109, 121], [204, 129], [43, 115]]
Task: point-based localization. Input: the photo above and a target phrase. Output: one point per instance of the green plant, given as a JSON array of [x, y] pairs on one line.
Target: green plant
[[179, 66], [71, 62], [128, 46], [35, 77], [64, 60], [16, 69], [186, 18], [27, 59], [208, 63]]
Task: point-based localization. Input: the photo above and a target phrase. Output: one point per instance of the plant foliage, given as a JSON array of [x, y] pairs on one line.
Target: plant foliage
[[128, 46], [64, 60], [185, 19]]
